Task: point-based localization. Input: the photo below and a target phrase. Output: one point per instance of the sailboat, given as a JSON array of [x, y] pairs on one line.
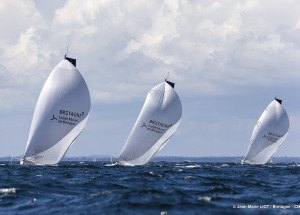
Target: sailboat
[[157, 122], [269, 134], [60, 115]]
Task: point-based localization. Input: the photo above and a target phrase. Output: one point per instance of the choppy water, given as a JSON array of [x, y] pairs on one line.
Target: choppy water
[[156, 188]]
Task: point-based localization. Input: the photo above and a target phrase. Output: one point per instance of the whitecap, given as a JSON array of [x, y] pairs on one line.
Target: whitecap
[[152, 173], [111, 164], [31, 201], [224, 165], [6, 191], [204, 198], [193, 166]]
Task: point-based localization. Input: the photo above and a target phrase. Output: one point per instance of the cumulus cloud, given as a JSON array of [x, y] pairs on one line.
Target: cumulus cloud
[[20, 52], [122, 46]]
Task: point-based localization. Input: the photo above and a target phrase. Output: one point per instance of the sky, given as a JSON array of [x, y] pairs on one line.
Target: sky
[[228, 59]]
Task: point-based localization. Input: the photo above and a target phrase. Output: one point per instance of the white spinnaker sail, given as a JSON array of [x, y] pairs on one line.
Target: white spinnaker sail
[[60, 115], [157, 122], [268, 135]]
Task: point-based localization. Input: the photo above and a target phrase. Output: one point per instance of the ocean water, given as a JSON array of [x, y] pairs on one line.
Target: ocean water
[[74, 187]]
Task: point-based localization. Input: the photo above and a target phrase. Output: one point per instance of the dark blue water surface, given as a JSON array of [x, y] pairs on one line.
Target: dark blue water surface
[[156, 188]]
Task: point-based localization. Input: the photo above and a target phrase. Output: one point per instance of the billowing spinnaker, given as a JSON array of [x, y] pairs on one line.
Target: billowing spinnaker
[[268, 135], [60, 115], [157, 122]]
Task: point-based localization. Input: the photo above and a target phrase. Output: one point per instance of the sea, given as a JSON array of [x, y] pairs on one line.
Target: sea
[[166, 186]]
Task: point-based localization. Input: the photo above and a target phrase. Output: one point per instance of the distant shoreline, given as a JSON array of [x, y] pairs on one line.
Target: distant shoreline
[[223, 159]]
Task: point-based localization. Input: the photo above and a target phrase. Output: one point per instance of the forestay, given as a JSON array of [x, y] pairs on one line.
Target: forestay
[[268, 135], [157, 122], [60, 115]]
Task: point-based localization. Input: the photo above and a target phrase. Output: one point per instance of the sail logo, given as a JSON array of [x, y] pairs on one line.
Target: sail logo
[[54, 117], [67, 117], [71, 113], [155, 126], [273, 137], [160, 124]]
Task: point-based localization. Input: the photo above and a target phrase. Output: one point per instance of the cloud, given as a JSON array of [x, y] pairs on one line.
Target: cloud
[[125, 48], [16, 17], [20, 52]]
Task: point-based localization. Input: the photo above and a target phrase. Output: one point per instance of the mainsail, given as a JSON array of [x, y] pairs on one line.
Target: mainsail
[[157, 122], [61, 113], [269, 134]]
